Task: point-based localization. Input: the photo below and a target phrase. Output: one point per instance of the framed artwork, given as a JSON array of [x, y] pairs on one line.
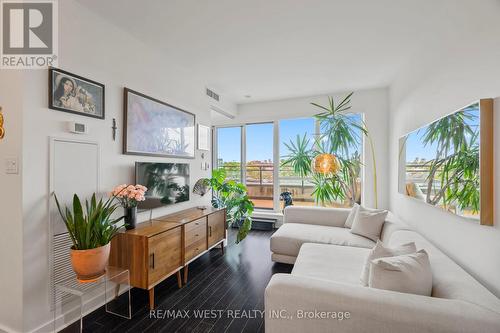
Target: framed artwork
[[75, 94], [203, 137], [449, 163], [156, 128]]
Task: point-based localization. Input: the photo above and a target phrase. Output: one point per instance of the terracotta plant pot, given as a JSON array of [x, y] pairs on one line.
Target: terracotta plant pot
[[89, 265]]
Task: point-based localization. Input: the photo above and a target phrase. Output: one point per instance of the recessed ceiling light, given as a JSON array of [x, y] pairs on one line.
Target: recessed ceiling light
[[248, 96]]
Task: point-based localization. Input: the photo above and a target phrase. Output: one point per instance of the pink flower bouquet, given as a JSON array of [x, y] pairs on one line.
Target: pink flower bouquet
[[129, 195]]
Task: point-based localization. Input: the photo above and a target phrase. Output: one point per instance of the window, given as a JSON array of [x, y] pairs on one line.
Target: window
[[253, 146], [295, 136], [229, 151], [351, 172]]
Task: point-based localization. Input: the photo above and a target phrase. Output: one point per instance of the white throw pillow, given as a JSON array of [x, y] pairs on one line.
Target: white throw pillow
[[351, 216], [408, 273], [368, 222], [380, 251]]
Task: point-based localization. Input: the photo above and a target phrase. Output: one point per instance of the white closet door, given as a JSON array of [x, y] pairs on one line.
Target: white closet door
[[74, 169]]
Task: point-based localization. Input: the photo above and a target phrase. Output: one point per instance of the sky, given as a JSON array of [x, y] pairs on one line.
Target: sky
[[260, 139]]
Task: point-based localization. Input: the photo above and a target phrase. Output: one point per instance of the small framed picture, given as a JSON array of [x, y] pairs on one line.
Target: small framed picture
[[203, 137], [75, 94]]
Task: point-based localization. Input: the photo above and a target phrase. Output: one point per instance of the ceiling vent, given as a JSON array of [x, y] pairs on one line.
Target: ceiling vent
[[213, 95]]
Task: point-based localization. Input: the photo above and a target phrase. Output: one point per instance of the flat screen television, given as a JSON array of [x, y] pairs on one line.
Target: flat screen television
[[167, 183]]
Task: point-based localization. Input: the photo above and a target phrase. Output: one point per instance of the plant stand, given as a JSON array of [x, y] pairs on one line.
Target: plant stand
[[72, 297]]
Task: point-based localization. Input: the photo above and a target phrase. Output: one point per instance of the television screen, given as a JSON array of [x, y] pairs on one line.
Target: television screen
[[167, 183]]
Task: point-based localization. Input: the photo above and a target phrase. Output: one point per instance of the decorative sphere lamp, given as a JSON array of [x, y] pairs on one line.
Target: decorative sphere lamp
[[326, 164]]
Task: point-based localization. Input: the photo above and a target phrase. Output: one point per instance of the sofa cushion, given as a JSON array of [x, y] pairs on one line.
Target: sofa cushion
[[368, 222], [407, 273], [330, 262], [351, 216], [380, 251], [290, 236], [449, 279]]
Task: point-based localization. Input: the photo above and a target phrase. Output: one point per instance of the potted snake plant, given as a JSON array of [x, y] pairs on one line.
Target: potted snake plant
[[91, 230]]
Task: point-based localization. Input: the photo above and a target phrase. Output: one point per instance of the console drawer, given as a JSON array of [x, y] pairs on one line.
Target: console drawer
[[195, 224], [193, 235], [195, 249]]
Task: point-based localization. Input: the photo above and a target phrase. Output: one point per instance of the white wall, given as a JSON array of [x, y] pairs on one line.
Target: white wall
[[372, 103], [92, 48], [11, 225], [464, 73]]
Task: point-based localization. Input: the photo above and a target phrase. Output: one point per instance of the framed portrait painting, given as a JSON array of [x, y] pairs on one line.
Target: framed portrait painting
[[156, 128], [75, 94]]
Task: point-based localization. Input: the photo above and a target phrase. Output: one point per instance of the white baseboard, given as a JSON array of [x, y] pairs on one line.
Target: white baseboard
[[5, 329]]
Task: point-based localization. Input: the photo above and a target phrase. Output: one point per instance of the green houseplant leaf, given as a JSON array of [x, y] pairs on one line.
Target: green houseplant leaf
[[92, 227], [232, 196]]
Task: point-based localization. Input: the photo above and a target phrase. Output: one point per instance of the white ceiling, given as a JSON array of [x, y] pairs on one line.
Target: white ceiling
[[273, 49]]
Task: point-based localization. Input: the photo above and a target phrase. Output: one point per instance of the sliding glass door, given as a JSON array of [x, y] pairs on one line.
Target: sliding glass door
[[260, 164]]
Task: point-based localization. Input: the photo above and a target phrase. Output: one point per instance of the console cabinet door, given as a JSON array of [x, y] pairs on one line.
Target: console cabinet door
[[216, 227], [165, 254]]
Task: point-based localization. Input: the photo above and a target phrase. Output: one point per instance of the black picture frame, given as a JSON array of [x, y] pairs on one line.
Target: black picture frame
[[150, 130], [82, 97]]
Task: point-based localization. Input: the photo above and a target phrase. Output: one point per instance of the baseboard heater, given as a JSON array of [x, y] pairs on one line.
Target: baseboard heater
[[259, 223]]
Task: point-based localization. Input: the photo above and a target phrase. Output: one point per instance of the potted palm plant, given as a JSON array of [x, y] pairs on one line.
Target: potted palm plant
[[340, 133], [299, 158], [91, 230]]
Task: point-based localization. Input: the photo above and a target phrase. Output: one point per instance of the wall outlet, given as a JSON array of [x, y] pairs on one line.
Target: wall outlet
[[11, 166]]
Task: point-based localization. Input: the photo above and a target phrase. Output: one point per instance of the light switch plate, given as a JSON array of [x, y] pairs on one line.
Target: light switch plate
[[12, 165]]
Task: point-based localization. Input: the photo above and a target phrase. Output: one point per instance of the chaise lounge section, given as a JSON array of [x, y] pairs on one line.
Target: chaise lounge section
[[322, 226], [326, 279]]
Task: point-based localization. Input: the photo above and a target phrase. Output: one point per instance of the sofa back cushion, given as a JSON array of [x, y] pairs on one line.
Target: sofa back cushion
[[449, 279], [392, 223], [332, 217]]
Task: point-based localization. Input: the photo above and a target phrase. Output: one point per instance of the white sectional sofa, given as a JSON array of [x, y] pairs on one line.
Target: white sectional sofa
[[325, 282]]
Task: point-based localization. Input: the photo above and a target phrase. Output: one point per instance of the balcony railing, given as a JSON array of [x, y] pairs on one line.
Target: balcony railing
[[260, 184]]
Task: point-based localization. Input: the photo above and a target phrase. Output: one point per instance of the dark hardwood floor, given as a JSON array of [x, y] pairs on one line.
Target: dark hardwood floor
[[231, 285]]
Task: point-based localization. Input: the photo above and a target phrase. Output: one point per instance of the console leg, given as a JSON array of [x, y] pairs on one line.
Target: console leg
[[179, 279], [152, 298], [186, 274]]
